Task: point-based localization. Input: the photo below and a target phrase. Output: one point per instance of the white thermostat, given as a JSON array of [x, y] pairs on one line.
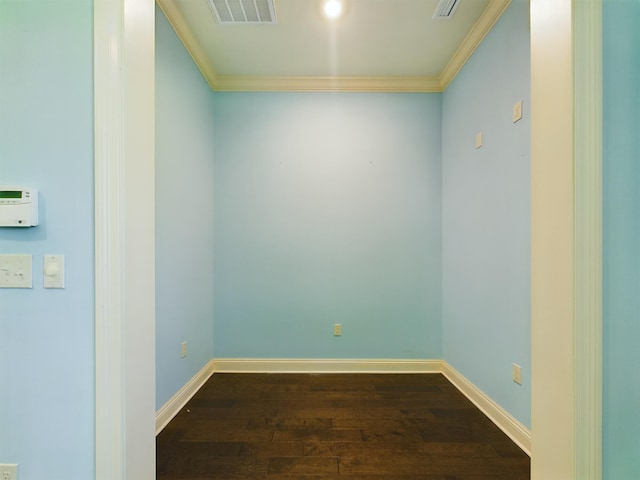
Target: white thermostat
[[18, 206]]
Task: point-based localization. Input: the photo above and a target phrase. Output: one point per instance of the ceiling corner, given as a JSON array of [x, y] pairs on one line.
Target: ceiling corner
[[188, 39], [482, 27]]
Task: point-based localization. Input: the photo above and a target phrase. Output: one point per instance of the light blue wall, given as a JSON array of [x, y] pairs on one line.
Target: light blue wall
[[621, 441], [46, 142], [327, 210], [184, 214], [486, 215]]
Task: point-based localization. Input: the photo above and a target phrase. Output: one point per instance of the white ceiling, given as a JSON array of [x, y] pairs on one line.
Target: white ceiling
[[378, 45]]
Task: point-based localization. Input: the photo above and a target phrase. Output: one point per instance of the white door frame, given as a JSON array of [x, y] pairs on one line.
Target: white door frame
[[566, 239], [124, 102], [566, 210]]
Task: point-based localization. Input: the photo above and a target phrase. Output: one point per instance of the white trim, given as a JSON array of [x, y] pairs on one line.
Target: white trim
[[327, 84], [138, 206], [182, 396], [109, 245], [305, 365], [472, 41], [566, 239], [188, 39], [588, 234], [124, 99], [515, 430], [553, 326]]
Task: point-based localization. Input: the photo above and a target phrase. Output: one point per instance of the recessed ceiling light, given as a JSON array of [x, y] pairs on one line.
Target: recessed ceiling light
[[333, 8]]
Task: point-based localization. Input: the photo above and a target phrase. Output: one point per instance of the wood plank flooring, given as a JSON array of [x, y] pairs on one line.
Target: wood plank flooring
[[335, 426]]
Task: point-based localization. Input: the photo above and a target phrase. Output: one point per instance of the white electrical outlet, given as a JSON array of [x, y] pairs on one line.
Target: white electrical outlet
[[337, 329], [8, 471], [478, 140], [516, 373], [183, 350]]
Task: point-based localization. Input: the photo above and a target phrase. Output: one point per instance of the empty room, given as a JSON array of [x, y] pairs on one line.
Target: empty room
[[397, 242], [341, 213]]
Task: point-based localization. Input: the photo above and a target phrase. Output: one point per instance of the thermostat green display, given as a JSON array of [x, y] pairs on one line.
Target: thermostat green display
[[10, 194]]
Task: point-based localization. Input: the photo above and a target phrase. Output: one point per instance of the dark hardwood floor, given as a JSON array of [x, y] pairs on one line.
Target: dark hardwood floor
[[335, 426]]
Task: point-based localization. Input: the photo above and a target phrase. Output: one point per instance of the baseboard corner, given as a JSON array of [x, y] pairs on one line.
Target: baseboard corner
[[182, 396], [515, 430]]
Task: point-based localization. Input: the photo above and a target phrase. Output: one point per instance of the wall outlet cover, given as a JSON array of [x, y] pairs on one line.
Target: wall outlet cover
[[517, 111], [8, 471], [516, 373], [478, 140]]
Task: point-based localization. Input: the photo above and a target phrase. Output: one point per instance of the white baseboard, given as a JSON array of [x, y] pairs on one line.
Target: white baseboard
[[288, 365], [182, 396], [520, 434]]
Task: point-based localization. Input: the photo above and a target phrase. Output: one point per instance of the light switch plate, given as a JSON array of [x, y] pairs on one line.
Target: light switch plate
[[478, 140], [516, 373], [517, 111], [16, 271], [53, 271]]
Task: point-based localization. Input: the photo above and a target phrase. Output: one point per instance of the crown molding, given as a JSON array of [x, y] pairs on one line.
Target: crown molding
[[482, 27], [332, 84], [188, 39], [328, 84]]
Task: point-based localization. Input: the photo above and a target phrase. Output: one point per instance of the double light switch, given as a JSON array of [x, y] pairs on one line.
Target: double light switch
[[15, 271]]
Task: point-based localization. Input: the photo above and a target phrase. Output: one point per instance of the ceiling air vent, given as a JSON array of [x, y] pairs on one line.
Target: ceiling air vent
[[243, 11], [445, 9]]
